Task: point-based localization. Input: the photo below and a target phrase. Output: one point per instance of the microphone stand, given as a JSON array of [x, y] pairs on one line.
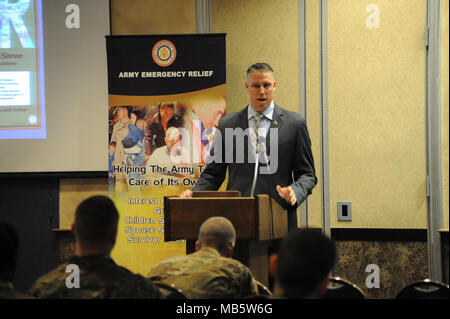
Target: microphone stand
[[255, 175]]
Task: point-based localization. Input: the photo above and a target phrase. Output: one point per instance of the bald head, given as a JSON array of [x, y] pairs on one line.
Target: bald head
[[173, 137], [172, 133], [219, 233]]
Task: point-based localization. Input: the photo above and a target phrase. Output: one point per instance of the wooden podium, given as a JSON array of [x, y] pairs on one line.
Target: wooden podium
[[257, 220]]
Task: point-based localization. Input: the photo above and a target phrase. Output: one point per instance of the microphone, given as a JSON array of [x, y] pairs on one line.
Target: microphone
[[266, 159], [262, 148], [255, 175]]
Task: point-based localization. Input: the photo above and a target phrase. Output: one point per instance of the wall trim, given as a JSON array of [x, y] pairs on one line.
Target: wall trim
[[203, 16], [433, 127], [93, 174], [326, 227], [381, 234], [302, 86]]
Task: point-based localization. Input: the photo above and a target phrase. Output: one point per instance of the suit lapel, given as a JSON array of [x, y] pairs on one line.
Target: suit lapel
[[243, 123], [242, 118], [276, 123]]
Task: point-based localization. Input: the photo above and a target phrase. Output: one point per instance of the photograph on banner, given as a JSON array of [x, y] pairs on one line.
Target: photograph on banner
[[163, 144], [157, 150]]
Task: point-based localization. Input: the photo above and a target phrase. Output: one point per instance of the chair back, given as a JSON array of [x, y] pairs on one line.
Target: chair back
[[340, 288], [263, 291], [424, 289]]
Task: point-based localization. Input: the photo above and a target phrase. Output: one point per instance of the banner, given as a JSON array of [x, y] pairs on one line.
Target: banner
[[166, 96]]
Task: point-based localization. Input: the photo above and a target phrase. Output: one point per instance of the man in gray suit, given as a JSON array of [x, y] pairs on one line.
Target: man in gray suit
[[286, 166]]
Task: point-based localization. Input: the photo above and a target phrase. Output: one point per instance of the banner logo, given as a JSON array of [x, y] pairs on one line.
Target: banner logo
[[164, 53]]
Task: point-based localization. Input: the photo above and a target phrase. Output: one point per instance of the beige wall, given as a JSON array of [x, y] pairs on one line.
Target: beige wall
[[73, 191], [313, 113], [152, 16], [444, 110], [259, 31], [376, 82]]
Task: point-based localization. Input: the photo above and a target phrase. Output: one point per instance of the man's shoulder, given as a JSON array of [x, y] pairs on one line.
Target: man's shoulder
[[215, 262], [7, 291], [172, 260], [163, 266], [97, 279], [233, 265], [231, 118], [190, 262], [54, 274], [120, 282], [175, 259], [50, 282], [159, 150], [159, 154], [290, 116]]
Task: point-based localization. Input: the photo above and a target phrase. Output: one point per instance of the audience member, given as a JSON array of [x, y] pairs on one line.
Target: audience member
[[302, 266], [210, 272], [95, 231], [9, 244]]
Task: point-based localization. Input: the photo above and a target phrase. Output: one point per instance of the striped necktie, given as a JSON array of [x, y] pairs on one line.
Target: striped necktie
[[254, 131]]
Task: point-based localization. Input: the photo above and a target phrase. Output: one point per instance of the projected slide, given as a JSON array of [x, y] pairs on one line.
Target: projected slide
[[22, 101]]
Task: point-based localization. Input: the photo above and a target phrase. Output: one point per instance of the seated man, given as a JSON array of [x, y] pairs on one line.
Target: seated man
[[172, 152], [95, 232], [303, 264], [210, 272], [9, 243]]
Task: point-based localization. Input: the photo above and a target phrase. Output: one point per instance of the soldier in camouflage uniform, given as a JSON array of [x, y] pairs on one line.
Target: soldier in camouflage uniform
[[95, 232], [9, 243], [210, 272], [7, 291]]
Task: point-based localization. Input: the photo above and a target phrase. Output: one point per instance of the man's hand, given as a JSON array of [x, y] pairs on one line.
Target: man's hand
[[287, 194], [186, 194]]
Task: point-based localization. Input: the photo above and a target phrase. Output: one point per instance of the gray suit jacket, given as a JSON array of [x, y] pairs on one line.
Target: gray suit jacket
[[295, 161]]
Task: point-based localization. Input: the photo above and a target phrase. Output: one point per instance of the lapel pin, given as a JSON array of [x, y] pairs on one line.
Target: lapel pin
[[275, 123]]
